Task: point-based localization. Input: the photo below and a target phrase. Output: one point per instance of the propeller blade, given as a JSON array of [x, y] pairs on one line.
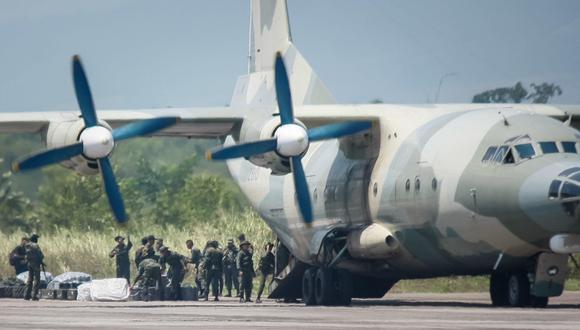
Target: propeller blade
[[337, 130], [48, 157], [83, 93], [243, 150], [143, 127], [112, 190], [301, 186], [283, 95]]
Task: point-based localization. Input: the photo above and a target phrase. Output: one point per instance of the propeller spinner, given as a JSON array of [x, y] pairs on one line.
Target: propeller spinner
[[95, 142], [291, 140]]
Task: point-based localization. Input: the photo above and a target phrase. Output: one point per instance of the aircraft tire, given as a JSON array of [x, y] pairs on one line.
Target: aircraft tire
[[344, 287], [324, 287], [308, 287], [518, 290], [498, 289]]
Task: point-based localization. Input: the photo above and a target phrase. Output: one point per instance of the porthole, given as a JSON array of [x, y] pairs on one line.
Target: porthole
[[434, 184], [417, 184], [408, 185], [375, 189]]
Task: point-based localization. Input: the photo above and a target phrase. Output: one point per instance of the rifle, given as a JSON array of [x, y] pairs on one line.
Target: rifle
[[43, 265]]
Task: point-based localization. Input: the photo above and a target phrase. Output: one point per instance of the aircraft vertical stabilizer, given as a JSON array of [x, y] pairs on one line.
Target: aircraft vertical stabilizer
[[269, 34]]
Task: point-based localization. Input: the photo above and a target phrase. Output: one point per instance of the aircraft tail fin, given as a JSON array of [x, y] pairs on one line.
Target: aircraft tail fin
[[269, 34]]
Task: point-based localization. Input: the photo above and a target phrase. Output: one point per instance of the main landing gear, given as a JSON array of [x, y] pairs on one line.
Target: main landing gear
[[513, 290], [325, 286]]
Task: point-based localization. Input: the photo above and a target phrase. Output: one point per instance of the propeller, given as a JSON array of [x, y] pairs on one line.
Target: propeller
[[290, 140], [96, 142]]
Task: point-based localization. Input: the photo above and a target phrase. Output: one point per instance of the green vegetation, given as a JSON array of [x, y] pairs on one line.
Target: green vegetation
[[540, 93]]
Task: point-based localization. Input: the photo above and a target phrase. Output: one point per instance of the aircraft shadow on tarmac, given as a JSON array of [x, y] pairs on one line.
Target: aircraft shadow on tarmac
[[463, 304]]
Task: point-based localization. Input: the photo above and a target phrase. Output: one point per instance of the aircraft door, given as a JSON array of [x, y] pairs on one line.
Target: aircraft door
[[357, 183]]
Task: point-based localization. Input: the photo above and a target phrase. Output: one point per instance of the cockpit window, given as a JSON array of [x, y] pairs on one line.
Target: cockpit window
[[570, 190], [501, 152], [509, 158], [554, 189], [569, 147], [525, 150], [489, 154], [549, 147]]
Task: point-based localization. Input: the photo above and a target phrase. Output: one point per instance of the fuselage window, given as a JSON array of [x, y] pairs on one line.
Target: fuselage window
[[525, 151], [549, 147], [434, 184], [417, 184], [408, 185], [489, 154], [569, 147], [499, 156]]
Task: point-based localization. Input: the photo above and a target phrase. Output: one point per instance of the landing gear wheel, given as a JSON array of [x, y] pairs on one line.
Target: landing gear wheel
[[324, 288], [344, 288], [498, 289], [518, 290], [308, 287], [539, 302]]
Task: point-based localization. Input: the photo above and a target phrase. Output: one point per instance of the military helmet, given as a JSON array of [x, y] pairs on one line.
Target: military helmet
[[34, 238], [163, 249], [118, 238], [245, 243]]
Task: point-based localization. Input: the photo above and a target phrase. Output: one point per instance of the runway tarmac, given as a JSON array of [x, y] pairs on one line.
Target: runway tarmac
[[395, 311]]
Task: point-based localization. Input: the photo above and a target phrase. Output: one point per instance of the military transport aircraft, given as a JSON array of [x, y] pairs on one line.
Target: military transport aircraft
[[361, 196]]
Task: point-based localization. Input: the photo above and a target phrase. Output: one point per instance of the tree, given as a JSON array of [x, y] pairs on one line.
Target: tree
[[542, 93], [16, 211]]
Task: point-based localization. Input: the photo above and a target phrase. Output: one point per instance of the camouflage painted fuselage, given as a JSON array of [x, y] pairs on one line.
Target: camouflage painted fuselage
[[452, 212]]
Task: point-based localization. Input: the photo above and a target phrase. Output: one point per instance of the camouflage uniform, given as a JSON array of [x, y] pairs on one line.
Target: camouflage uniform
[[176, 272], [213, 266], [201, 279], [245, 265], [34, 260], [121, 254], [266, 266], [231, 270], [18, 259], [196, 260], [144, 252], [149, 275]]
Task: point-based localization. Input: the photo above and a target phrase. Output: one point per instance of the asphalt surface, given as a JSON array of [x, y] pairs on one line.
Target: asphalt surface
[[395, 311]]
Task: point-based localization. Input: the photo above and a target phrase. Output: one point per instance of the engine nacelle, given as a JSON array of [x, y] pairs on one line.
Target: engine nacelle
[[372, 242], [64, 133], [253, 130]]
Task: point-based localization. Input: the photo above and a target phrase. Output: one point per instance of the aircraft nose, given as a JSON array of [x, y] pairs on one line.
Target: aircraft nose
[[552, 195]]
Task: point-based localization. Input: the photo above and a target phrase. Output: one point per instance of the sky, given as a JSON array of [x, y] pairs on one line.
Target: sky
[[151, 54]]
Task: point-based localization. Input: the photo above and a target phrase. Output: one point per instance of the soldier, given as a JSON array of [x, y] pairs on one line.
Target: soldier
[[266, 266], [149, 275], [121, 255], [230, 269], [151, 240], [245, 265], [34, 261], [213, 266], [176, 271], [158, 244], [195, 259], [143, 252], [17, 257]]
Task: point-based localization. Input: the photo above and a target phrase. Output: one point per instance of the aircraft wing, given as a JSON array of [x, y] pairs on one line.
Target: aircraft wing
[[194, 122]]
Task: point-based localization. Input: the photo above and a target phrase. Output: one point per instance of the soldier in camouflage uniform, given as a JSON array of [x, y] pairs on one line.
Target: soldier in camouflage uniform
[[195, 259], [213, 265], [266, 266], [149, 276], [176, 270], [121, 255], [230, 269], [245, 265], [17, 257], [145, 251], [35, 261]]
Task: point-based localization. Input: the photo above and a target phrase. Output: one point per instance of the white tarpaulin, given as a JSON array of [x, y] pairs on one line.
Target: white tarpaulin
[[45, 277], [84, 292], [111, 289]]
